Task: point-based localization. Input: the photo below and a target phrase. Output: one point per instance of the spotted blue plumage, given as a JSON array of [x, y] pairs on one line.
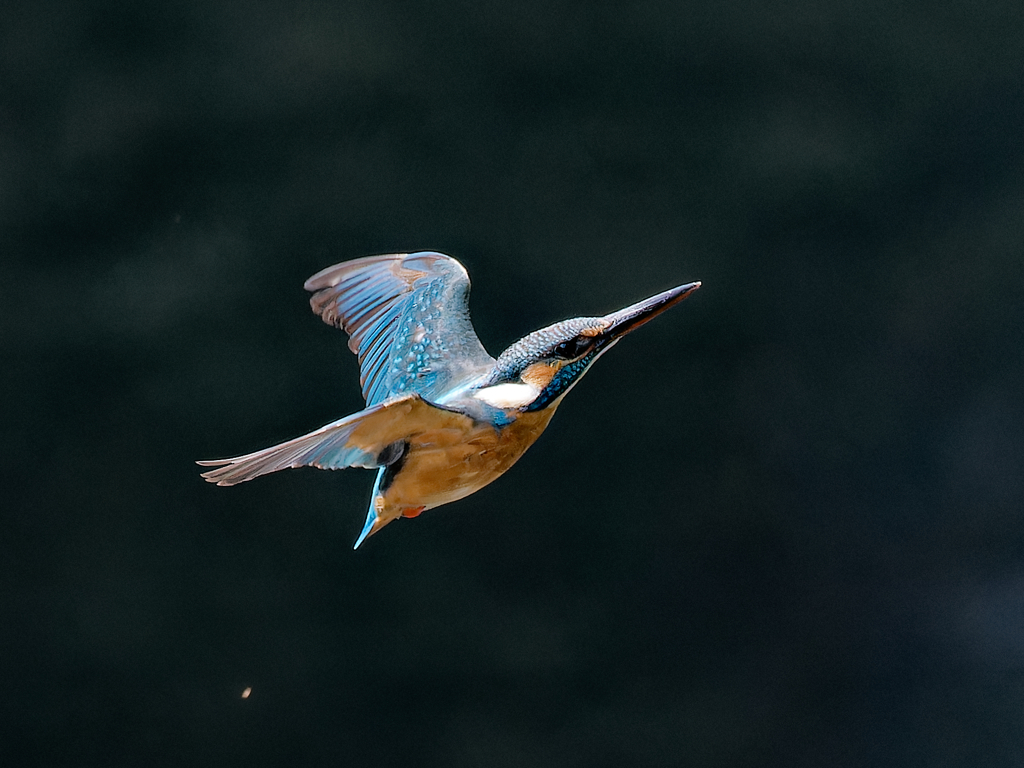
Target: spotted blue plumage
[[530, 348], [407, 317]]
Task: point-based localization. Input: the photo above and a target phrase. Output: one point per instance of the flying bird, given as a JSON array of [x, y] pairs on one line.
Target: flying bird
[[442, 418]]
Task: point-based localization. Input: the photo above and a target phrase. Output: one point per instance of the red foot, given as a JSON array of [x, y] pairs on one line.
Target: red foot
[[412, 511]]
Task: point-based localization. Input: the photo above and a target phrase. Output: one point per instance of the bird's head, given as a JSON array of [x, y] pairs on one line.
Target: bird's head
[[537, 371]]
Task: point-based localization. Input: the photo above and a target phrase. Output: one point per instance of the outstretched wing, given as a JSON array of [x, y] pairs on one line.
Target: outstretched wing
[[407, 317], [359, 440]]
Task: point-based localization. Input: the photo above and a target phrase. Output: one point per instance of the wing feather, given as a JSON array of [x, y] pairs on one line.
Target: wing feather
[[355, 441], [407, 318]]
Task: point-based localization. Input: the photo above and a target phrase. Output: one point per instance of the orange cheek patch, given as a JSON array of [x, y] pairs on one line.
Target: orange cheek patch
[[539, 375]]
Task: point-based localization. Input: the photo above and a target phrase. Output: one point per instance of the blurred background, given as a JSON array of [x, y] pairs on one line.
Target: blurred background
[[781, 525]]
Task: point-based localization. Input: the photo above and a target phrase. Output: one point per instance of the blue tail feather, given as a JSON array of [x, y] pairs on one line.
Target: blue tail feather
[[371, 515]]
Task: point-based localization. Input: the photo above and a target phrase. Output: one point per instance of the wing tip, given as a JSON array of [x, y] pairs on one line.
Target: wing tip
[[217, 476], [328, 277]]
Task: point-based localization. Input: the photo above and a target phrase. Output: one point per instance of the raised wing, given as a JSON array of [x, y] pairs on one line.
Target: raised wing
[[360, 440], [407, 317]]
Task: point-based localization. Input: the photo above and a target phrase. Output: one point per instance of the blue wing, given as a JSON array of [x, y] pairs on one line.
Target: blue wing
[[407, 317]]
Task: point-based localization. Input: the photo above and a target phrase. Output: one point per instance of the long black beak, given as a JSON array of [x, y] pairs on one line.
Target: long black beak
[[629, 319]]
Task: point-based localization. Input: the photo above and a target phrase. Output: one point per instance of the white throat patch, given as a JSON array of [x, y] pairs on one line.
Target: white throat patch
[[508, 395]]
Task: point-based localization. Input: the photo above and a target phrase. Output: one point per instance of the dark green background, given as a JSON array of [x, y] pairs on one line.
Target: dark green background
[[782, 525]]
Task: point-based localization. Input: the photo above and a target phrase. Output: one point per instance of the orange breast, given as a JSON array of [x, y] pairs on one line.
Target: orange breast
[[444, 465]]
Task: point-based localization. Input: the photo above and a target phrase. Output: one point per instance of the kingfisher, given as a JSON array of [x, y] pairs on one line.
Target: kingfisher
[[442, 418]]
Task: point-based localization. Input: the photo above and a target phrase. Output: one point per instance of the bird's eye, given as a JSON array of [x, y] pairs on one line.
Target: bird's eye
[[574, 348]]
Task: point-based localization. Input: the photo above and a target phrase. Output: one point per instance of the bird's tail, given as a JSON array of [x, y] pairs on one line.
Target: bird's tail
[[374, 519]]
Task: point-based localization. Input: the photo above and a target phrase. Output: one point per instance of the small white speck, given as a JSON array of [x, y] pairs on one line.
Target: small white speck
[[246, 692]]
